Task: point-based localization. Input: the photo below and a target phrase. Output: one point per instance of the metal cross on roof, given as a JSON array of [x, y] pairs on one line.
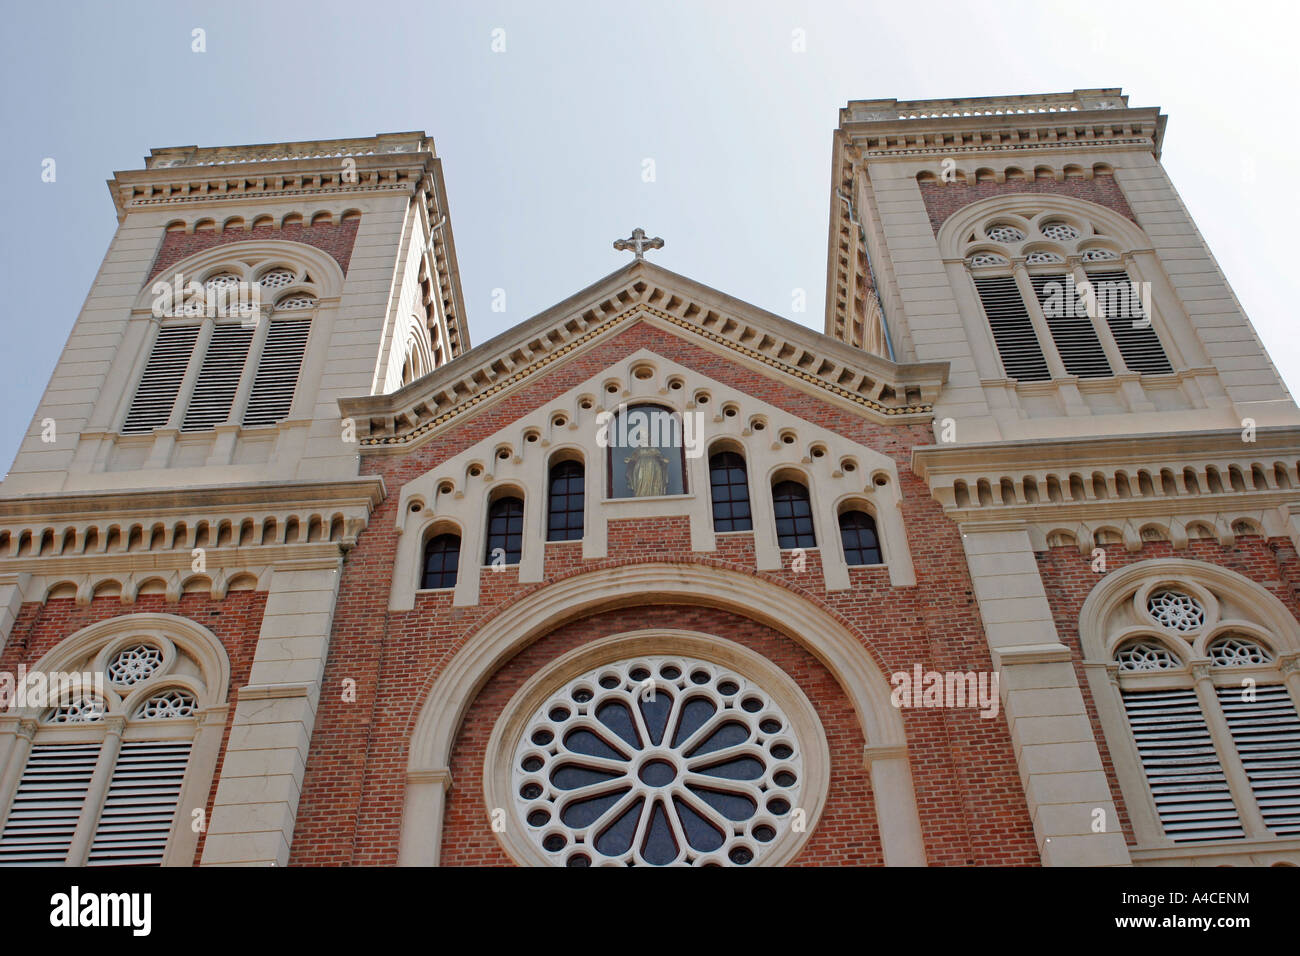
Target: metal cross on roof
[[638, 243]]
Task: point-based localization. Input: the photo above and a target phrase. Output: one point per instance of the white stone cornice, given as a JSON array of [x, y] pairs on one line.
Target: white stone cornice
[[163, 502], [881, 390]]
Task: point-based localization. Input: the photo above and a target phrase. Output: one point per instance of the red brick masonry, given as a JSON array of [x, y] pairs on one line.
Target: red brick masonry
[[971, 804]]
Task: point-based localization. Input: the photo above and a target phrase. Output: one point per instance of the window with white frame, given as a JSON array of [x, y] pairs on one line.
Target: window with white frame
[[659, 759], [102, 780], [1060, 299], [228, 350], [1213, 723]]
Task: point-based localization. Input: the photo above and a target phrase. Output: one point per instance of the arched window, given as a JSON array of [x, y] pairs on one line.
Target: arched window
[[505, 537], [729, 486], [858, 535], [646, 452], [120, 753], [1214, 729], [794, 523], [441, 561], [565, 502], [1081, 306], [212, 331]]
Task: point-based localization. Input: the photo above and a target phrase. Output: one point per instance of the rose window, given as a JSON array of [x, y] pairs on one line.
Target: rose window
[[1176, 610], [1145, 656], [134, 664], [658, 761], [225, 280], [166, 705], [1236, 651], [1005, 233], [1060, 231], [276, 279]]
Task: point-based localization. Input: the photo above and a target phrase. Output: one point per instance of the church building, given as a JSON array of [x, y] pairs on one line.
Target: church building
[[999, 568]]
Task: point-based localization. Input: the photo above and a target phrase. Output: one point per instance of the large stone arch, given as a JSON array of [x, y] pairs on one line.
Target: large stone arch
[[1116, 227], [519, 624]]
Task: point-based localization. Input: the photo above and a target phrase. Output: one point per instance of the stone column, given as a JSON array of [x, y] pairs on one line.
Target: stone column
[[896, 817], [261, 777], [426, 798], [1060, 766]]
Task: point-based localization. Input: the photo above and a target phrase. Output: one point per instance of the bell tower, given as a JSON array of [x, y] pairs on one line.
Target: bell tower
[[246, 290], [1036, 244]]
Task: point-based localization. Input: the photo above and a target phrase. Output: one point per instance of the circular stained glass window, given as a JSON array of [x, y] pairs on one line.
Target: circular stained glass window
[[658, 761], [1176, 610]]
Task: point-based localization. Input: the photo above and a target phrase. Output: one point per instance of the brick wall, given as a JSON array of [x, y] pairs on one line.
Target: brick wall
[[968, 791], [1069, 579], [943, 199], [235, 620], [336, 239]]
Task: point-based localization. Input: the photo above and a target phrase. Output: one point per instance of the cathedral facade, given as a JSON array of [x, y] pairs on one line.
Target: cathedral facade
[[999, 569]]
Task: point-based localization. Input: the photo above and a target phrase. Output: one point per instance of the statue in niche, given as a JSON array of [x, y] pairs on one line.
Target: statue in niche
[[647, 472]]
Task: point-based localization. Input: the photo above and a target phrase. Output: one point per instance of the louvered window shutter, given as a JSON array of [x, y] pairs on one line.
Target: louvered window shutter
[[1121, 306], [161, 381], [1182, 767], [277, 372], [1013, 331], [1266, 731], [141, 804], [219, 375], [48, 804], [1072, 330]]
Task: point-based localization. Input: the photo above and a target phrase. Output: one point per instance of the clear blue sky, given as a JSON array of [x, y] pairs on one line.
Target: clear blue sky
[[543, 144]]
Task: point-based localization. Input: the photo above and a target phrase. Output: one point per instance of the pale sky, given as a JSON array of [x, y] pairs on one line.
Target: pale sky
[[543, 144]]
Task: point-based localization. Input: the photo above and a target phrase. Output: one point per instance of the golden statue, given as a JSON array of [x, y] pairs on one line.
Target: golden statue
[[647, 473]]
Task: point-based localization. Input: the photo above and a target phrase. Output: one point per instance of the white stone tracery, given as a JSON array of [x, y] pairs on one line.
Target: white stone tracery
[[658, 760], [164, 679], [454, 496], [1182, 639]]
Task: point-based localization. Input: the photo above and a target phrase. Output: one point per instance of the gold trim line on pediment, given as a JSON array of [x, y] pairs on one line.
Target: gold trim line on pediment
[[495, 387]]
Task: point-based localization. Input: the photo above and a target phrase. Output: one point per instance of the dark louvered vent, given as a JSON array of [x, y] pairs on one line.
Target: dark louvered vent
[[1072, 330], [1013, 331], [1121, 306], [277, 372], [48, 804], [141, 804], [163, 374], [223, 364], [1182, 767], [1266, 731]]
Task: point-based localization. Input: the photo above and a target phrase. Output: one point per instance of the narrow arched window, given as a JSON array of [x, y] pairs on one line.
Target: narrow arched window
[[858, 535], [565, 502], [441, 561], [730, 488], [794, 524], [505, 537], [645, 449]]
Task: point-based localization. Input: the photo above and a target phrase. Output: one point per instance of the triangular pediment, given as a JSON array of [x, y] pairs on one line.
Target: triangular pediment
[[642, 292]]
